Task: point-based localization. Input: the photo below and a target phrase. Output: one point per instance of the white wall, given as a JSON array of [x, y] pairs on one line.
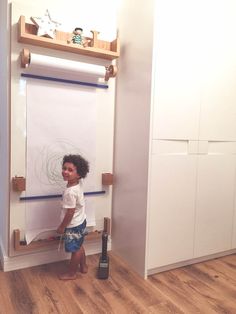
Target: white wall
[[132, 119], [4, 128]]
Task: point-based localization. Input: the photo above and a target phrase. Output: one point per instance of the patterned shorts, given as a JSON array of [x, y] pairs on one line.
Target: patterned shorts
[[74, 237]]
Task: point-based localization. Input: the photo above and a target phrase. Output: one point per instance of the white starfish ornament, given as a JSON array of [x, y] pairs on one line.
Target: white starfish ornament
[[46, 26]]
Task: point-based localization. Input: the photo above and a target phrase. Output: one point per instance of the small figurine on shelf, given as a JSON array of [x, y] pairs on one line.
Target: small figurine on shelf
[[78, 38]]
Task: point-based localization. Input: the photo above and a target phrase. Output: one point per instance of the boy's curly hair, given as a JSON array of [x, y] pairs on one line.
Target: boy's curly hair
[[81, 164]]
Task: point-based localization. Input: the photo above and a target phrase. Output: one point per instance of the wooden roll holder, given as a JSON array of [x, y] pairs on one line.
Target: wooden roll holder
[[25, 56], [40, 244]]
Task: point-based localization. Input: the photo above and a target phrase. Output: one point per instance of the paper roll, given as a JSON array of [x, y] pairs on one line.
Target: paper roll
[[65, 66], [36, 63]]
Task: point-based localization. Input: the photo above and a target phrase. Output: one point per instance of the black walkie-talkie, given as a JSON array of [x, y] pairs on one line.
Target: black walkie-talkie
[[103, 267]]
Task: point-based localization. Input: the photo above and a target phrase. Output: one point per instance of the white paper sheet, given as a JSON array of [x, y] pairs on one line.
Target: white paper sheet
[[38, 210], [61, 119]]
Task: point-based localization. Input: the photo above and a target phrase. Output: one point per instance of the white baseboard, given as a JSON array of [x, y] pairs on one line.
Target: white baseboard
[[45, 257], [189, 262]]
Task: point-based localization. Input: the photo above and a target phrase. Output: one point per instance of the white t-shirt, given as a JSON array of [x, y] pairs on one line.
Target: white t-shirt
[[73, 197]]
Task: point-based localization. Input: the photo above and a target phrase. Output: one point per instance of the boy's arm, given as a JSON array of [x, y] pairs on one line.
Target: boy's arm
[[66, 220]]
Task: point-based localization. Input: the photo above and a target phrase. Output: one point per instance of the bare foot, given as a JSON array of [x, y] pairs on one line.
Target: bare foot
[[83, 268], [67, 276]]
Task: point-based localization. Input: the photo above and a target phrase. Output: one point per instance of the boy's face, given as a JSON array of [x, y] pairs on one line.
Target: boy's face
[[69, 173]]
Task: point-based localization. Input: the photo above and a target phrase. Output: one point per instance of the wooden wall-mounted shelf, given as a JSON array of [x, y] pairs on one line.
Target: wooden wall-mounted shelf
[[39, 244], [27, 33]]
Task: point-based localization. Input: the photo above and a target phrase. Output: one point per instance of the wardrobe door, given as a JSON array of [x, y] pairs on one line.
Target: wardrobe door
[[177, 73], [218, 109], [217, 127], [177, 105], [171, 203], [218, 79], [215, 199]]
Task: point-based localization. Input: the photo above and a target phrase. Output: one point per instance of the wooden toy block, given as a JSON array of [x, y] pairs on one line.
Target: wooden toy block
[[18, 184], [107, 179]]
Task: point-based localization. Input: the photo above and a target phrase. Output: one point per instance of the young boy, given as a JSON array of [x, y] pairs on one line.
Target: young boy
[[74, 167]]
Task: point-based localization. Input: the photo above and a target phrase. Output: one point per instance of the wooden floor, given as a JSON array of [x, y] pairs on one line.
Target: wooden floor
[[208, 287]]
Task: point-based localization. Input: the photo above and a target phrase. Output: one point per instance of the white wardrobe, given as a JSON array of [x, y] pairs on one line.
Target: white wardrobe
[[189, 172]]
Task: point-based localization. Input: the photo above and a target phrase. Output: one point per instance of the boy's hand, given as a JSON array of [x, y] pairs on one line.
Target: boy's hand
[[60, 230], [66, 220]]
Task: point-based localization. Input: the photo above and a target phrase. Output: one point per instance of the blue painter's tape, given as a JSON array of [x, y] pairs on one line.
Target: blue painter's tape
[[49, 78], [40, 197]]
